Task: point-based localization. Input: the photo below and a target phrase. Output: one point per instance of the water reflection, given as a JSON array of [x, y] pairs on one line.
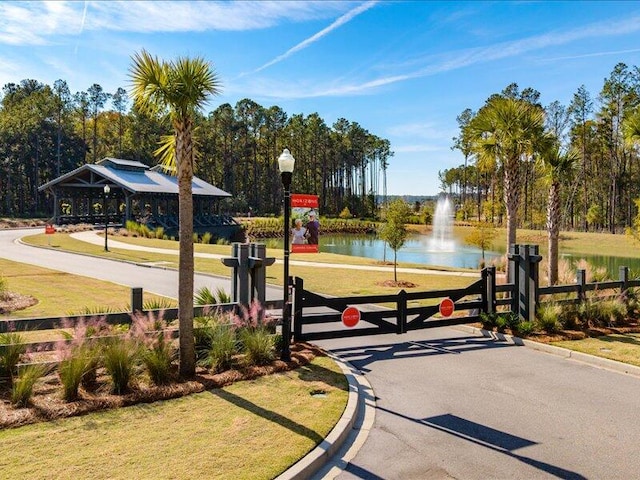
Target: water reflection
[[415, 250]]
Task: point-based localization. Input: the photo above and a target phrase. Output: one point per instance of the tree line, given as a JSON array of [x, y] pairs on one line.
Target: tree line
[[46, 131], [595, 190]]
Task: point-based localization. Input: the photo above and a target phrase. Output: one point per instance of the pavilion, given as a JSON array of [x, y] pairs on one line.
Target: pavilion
[[136, 192]]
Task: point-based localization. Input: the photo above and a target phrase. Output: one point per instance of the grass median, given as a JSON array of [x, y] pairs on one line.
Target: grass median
[[251, 429]]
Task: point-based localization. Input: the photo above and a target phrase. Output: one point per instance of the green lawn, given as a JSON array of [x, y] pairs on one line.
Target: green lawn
[[621, 347], [249, 430], [60, 293]]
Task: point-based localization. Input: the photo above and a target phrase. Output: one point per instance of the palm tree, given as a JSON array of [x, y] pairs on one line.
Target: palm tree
[[507, 130], [181, 88], [631, 128], [557, 165]]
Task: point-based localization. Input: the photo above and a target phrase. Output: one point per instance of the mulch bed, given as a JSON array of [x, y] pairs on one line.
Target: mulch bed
[[399, 284], [47, 403], [10, 302], [565, 335]]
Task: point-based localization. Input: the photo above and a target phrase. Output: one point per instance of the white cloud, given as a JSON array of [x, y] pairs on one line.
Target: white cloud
[[325, 31], [592, 54], [449, 61], [35, 23]]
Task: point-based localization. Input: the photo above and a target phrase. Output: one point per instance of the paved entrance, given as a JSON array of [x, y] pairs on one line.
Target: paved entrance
[[454, 405]]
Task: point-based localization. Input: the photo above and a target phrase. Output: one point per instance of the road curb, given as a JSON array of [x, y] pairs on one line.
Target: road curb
[[348, 427], [592, 360]]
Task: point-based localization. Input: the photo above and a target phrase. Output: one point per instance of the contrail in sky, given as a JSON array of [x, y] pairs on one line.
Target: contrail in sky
[[84, 17], [325, 31]]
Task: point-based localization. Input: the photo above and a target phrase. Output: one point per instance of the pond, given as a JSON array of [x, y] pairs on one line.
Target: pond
[[417, 249]]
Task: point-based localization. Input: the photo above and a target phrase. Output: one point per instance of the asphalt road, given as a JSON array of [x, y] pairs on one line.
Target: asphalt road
[[451, 404], [154, 280], [455, 405]]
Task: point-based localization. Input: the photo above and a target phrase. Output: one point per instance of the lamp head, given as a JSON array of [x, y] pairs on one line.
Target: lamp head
[[286, 161], [106, 189]]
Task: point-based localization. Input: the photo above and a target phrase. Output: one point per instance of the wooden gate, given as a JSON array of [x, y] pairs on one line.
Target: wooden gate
[[317, 317]]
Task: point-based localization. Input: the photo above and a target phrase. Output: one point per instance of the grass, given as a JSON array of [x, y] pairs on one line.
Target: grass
[[621, 347], [61, 293], [573, 243], [243, 431]]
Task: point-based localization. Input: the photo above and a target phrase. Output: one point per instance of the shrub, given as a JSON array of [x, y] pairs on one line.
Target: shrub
[[160, 303], [512, 319], [223, 345], [157, 360], [3, 287], [524, 329], [72, 370], [206, 237], [196, 239], [204, 296], [570, 317], [11, 350], [345, 213], [488, 320], [603, 312], [258, 345], [547, 317], [202, 328], [120, 357], [159, 233], [24, 383], [501, 323], [253, 317]]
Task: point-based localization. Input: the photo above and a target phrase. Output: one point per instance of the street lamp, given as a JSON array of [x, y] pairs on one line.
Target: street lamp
[[285, 165], [106, 190]]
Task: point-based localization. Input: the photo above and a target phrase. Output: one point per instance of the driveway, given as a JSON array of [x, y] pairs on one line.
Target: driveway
[[454, 405]]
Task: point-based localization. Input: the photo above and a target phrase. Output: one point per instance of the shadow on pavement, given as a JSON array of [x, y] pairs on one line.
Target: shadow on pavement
[[362, 356], [487, 437]]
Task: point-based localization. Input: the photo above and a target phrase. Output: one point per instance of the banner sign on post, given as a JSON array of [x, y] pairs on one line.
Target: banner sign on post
[[306, 227]]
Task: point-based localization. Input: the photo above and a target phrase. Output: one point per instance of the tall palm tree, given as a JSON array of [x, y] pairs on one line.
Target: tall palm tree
[[508, 131], [181, 88], [557, 164]]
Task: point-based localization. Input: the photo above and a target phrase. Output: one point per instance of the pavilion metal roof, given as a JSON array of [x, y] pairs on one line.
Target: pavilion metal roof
[[129, 175]]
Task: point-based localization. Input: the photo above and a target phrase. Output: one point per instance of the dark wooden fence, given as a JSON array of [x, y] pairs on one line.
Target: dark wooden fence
[[118, 318], [386, 313]]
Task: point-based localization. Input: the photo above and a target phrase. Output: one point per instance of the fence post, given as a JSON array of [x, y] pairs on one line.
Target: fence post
[[514, 276], [401, 323], [624, 280], [298, 298], [533, 282], [136, 299], [491, 289], [484, 276], [581, 279], [258, 263], [240, 278]]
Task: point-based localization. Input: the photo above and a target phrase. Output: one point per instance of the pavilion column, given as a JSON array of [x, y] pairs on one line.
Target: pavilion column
[[127, 208], [56, 209]]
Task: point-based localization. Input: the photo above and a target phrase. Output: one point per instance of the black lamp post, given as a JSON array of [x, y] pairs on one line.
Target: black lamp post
[[106, 190], [285, 165]]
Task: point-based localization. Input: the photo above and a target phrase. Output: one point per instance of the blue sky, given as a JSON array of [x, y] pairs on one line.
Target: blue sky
[[402, 70]]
